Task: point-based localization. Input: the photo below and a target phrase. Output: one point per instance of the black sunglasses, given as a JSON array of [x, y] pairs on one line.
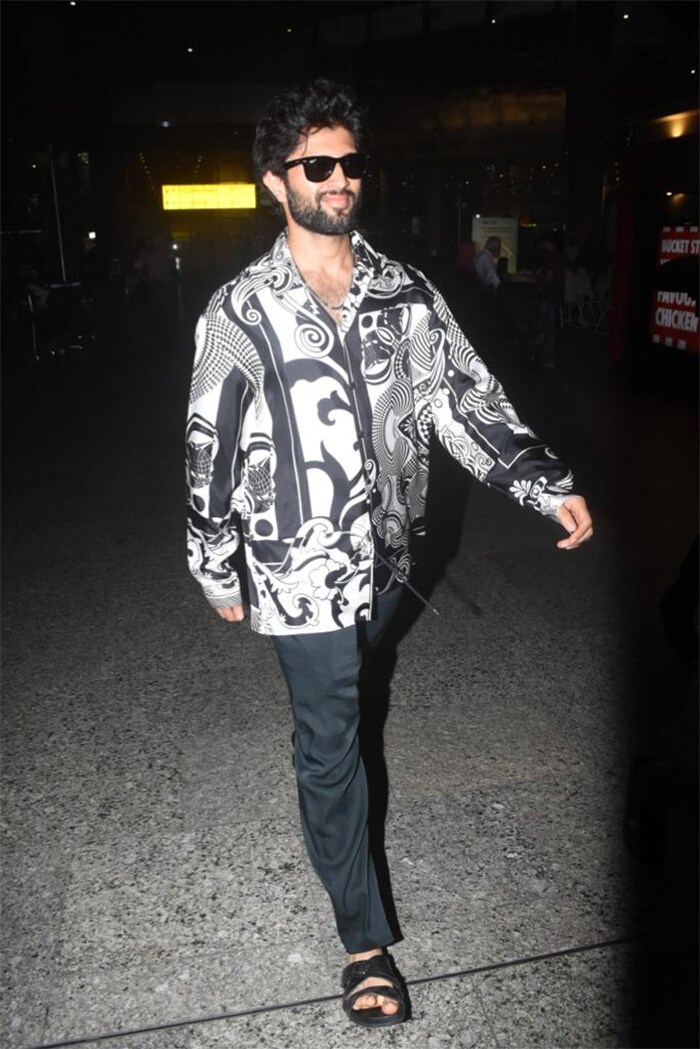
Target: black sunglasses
[[318, 169]]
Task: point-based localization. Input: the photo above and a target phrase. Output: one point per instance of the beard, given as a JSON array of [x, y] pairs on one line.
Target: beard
[[313, 217]]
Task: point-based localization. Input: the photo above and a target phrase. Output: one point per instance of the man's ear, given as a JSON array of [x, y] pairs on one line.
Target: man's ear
[[275, 185]]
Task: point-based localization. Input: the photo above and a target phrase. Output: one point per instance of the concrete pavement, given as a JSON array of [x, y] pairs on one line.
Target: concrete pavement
[[155, 889]]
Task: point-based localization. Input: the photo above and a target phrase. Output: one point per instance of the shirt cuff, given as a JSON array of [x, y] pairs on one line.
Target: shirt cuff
[[232, 597]]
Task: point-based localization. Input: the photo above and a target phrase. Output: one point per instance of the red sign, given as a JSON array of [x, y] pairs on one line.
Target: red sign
[[674, 318]]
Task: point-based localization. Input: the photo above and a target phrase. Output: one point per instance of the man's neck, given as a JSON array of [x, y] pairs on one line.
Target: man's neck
[[319, 252]]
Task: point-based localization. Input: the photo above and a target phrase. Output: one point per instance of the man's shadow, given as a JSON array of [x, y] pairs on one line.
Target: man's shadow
[[446, 505]]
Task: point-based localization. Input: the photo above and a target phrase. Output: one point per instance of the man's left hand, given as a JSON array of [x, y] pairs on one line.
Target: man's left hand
[[576, 519]]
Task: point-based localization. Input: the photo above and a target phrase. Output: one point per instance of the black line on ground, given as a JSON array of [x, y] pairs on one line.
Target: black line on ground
[[238, 1014]]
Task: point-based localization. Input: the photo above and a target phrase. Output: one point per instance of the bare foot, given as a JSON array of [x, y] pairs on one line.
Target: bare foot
[[372, 1000]]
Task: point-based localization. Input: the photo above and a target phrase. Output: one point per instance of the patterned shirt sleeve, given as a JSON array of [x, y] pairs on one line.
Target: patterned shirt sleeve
[[478, 425], [217, 396]]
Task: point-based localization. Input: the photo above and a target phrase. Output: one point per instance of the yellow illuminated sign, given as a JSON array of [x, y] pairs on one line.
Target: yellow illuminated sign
[[200, 197]]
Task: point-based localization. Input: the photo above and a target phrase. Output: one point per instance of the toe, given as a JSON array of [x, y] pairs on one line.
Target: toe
[[371, 1001]]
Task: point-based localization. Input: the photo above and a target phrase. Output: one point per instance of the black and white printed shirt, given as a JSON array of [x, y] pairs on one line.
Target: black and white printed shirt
[[309, 440]]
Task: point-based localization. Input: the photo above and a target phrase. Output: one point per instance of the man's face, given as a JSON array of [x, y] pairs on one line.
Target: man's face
[[329, 207]]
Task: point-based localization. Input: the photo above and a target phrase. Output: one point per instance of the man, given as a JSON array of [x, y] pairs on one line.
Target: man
[[550, 288], [318, 376], [489, 320], [486, 264]]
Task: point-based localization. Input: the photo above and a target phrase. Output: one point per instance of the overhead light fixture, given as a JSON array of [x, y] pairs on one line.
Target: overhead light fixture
[[677, 125]]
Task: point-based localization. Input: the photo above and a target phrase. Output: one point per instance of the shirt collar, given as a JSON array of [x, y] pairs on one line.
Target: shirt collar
[[367, 267], [366, 258]]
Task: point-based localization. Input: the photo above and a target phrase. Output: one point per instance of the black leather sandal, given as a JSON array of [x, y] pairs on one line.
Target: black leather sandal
[[382, 966]]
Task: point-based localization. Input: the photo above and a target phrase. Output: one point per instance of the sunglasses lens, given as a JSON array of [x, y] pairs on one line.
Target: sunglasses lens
[[317, 169], [354, 165]]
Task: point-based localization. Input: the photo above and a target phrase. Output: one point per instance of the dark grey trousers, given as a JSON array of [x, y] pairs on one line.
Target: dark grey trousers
[[322, 672]]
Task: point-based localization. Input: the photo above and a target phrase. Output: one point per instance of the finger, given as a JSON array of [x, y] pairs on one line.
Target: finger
[[574, 512], [581, 535], [575, 517], [580, 526], [567, 519], [578, 534], [232, 614]]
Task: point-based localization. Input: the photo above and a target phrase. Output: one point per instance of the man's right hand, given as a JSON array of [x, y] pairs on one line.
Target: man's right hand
[[234, 614]]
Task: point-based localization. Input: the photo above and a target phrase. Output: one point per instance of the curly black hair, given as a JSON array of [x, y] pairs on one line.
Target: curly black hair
[[292, 114]]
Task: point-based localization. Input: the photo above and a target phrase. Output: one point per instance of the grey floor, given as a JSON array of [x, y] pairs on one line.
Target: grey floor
[[155, 889]]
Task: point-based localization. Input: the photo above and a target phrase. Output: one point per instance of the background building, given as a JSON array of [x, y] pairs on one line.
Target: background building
[[526, 108]]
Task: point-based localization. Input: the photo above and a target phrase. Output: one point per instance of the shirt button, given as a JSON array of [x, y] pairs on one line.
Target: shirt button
[[360, 433]]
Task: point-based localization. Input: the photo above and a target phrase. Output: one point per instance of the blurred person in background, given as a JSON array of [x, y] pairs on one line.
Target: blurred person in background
[[486, 265], [549, 274]]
